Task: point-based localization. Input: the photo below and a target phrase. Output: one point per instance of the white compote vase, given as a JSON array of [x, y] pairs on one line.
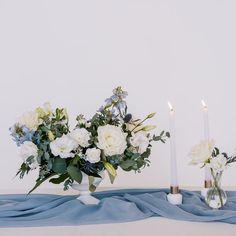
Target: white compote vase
[[83, 188]]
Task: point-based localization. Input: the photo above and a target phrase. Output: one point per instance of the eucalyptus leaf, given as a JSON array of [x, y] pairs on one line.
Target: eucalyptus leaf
[[60, 179], [75, 173], [59, 165], [127, 164], [46, 156]]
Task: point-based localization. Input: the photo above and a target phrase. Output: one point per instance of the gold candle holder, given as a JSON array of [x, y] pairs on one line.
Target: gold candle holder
[[174, 189], [175, 197]]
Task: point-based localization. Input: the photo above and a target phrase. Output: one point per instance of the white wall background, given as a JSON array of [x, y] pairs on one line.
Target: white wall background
[[73, 53]]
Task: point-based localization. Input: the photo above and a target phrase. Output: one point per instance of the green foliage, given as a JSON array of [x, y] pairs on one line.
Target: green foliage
[[54, 124], [40, 181], [24, 169], [75, 173], [59, 179], [59, 165], [128, 164]]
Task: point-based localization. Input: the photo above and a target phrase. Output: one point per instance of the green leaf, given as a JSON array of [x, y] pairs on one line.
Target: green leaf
[[146, 154], [151, 115], [127, 164], [92, 187], [59, 165], [46, 156], [39, 182], [30, 159], [75, 173], [109, 167], [111, 177], [59, 180]]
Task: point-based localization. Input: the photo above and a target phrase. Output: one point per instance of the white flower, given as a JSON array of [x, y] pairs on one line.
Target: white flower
[[112, 140], [88, 124], [30, 120], [201, 152], [47, 108], [140, 141], [62, 146], [93, 155], [29, 149], [218, 163], [80, 136]]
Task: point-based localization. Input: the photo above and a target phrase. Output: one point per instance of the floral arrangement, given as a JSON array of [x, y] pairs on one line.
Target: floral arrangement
[[206, 153], [112, 138]]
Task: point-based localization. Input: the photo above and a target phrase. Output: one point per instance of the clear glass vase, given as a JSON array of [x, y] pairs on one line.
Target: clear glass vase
[[216, 197]]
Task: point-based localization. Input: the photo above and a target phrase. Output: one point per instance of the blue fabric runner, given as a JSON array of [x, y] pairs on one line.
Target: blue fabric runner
[[20, 210]]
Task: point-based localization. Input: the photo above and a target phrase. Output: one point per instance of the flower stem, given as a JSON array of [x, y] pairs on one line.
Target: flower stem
[[216, 180]]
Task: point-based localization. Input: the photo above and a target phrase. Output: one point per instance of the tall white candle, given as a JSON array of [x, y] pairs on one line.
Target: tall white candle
[[206, 135], [173, 164]]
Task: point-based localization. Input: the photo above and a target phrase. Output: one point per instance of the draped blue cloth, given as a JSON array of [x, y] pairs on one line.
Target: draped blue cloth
[[20, 210]]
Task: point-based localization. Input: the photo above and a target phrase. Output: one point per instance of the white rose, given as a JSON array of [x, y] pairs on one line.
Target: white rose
[[140, 141], [80, 136], [62, 146], [201, 152], [28, 149], [30, 120], [112, 140], [93, 155], [218, 163]]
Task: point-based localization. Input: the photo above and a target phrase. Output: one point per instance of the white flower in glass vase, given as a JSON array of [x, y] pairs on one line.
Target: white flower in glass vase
[[63, 146], [218, 163], [201, 152], [29, 149], [140, 141], [93, 155], [80, 136], [30, 120], [112, 140]]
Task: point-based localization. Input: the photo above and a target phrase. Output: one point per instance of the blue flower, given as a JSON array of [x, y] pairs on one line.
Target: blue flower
[[21, 134], [121, 104]]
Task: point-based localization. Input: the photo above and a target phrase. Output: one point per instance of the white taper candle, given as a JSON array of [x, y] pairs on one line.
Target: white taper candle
[[173, 164], [206, 136]]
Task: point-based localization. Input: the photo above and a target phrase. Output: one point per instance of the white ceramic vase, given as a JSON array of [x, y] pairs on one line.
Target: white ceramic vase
[[83, 188]]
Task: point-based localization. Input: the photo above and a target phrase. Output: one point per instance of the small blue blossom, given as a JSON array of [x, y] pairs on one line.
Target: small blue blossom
[[101, 109], [21, 134], [108, 101], [121, 105]]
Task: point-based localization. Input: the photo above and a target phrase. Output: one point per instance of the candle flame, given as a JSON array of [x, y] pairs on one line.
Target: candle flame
[[204, 104], [170, 106]]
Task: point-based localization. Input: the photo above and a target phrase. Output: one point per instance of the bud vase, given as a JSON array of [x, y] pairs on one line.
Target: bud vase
[[84, 190], [216, 197]]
